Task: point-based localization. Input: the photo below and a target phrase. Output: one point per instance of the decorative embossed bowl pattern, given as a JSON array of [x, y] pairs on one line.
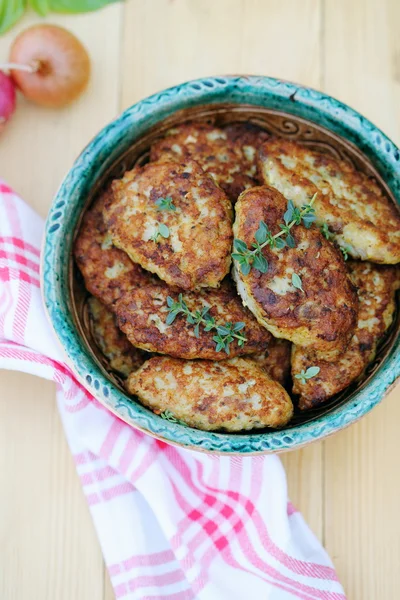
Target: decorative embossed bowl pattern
[[279, 107]]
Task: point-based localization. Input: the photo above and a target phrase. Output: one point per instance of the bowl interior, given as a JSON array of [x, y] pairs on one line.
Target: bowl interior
[[275, 122]]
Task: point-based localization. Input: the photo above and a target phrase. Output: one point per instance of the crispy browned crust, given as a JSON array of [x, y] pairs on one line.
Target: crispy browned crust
[[197, 251], [121, 355], [324, 316], [232, 395], [275, 360], [228, 155], [376, 291], [107, 271], [362, 220], [142, 313]]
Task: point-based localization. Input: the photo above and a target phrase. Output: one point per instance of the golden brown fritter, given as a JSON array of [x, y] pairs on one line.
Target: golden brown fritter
[[233, 395], [107, 271], [122, 356], [193, 248], [322, 316], [362, 221], [142, 314], [228, 155], [376, 291], [275, 360]]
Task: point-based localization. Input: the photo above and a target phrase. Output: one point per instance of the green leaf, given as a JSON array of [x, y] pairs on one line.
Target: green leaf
[[41, 6], [309, 374], [290, 241], [261, 233], [171, 318], [223, 330], [260, 263], [325, 231], [308, 220], [245, 268], [240, 246], [165, 204], [297, 283], [10, 12], [312, 372], [163, 230], [170, 301], [280, 243], [77, 6], [197, 330], [239, 326], [344, 252], [288, 216]]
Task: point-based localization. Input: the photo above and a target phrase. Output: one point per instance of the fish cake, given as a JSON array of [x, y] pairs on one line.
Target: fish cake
[[323, 314], [107, 271], [275, 360], [142, 315], [360, 219], [232, 395], [228, 155], [376, 286], [121, 355], [187, 243]]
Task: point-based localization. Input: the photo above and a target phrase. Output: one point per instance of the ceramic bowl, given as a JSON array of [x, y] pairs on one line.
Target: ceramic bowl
[[280, 107]]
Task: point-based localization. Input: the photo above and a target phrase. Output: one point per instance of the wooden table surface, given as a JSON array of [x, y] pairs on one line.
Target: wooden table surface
[[347, 487]]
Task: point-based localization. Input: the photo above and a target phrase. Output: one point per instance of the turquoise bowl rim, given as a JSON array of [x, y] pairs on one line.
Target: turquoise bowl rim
[[96, 158]]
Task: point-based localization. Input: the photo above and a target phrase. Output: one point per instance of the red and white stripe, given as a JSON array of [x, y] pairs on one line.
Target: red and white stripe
[[173, 524]]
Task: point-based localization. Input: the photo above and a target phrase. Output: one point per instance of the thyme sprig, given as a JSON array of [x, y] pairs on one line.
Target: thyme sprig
[[309, 374], [249, 259], [225, 334], [162, 230], [165, 204]]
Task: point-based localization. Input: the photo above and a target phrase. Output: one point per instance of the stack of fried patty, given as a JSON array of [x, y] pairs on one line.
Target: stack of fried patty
[[218, 281]]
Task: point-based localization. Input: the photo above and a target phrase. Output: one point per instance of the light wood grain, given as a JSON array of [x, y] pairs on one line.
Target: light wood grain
[[362, 481], [348, 487]]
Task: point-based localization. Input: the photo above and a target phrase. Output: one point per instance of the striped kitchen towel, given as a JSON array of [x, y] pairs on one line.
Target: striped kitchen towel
[[173, 524]]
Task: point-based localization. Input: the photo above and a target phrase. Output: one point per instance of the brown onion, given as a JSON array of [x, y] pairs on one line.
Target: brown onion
[[60, 65]]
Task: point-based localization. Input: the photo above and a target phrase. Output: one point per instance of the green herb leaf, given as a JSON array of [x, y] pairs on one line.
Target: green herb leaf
[[288, 216], [171, 318], [303, 376], [312, 372], [163, 230], [280, 243], [344, 251], [308, 220], [165, 204], [290, 241], [240, 246], [325, 231], [296, 281], [245, 268], [260, 263], [261, 233]]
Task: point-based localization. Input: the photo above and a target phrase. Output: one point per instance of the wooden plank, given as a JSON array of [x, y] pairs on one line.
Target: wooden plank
[[167, 42], [48, 544], [193, 38], [362, 482], [49, 547]]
